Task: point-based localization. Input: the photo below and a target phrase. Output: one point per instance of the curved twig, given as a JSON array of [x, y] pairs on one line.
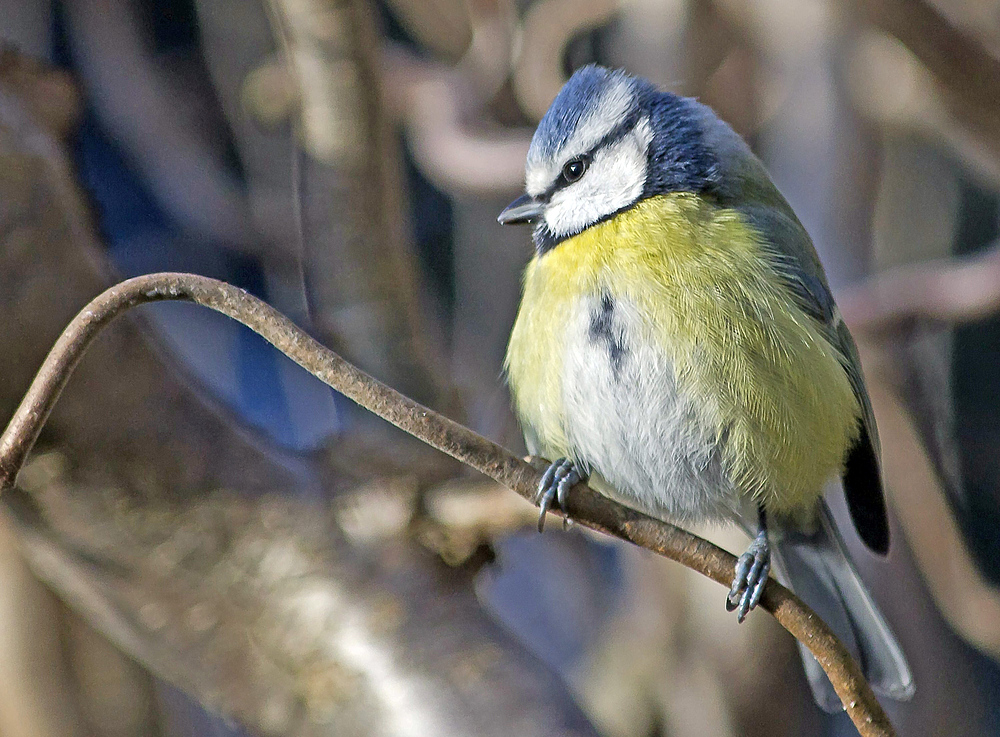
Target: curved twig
[[969, 75], [585, 506], [955, 290], [548, 27]]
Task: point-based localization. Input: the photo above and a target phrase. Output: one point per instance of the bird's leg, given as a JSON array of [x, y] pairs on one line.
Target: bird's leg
[[751, 573], [559, 478]]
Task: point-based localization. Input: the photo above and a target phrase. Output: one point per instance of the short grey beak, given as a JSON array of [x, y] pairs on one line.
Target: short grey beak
[[525, 209]]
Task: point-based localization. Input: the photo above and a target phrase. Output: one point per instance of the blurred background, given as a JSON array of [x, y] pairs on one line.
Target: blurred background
[[207, 541]]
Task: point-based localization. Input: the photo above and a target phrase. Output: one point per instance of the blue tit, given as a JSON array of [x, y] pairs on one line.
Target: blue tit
[[677, 344]]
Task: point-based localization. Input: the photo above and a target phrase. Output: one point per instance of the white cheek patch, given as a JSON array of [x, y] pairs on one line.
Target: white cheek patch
[[614, 180], [610, 111]]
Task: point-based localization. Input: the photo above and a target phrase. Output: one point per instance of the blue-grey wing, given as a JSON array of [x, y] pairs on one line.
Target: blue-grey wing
[[794, 258]]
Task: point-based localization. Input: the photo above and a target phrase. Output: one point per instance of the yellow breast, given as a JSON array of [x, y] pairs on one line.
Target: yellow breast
[[764, 378]]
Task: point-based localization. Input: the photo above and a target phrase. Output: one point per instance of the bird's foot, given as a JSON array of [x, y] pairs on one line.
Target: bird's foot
[[559, 478], [752, 570]]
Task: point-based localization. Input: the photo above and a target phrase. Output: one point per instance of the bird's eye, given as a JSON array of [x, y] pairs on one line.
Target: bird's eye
[[574, 169]]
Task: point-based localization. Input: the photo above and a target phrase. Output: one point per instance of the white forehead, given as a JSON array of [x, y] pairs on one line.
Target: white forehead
[[611, 108]]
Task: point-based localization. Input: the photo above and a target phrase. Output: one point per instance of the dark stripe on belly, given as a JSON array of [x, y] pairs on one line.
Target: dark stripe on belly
[[603, 330]]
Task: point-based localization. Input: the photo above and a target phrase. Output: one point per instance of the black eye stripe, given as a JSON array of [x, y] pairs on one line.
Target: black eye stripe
[[619, 131]]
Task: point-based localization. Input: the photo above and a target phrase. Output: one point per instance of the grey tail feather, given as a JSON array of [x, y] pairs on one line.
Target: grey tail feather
[[816, 567]]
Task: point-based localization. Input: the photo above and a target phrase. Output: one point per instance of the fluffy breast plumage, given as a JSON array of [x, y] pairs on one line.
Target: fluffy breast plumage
[[628, 421], [661, 351]]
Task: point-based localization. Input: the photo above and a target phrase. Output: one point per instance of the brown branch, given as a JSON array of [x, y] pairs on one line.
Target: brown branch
[[585, 506]]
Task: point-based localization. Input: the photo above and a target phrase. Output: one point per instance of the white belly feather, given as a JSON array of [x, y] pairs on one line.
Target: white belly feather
[[627, 423]]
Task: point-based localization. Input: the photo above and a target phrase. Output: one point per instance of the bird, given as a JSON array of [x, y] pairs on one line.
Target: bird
[[678, 347]]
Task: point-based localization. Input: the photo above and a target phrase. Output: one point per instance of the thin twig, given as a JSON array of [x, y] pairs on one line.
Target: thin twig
[[956, 290], [585, 506], [547, 29], [953, 55], [969, 75]]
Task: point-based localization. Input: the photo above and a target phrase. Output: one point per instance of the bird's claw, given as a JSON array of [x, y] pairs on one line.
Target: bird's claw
[[554, 487], [752, 570]]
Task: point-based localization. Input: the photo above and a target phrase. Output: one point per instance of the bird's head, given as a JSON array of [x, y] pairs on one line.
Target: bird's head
[[608, 141]]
